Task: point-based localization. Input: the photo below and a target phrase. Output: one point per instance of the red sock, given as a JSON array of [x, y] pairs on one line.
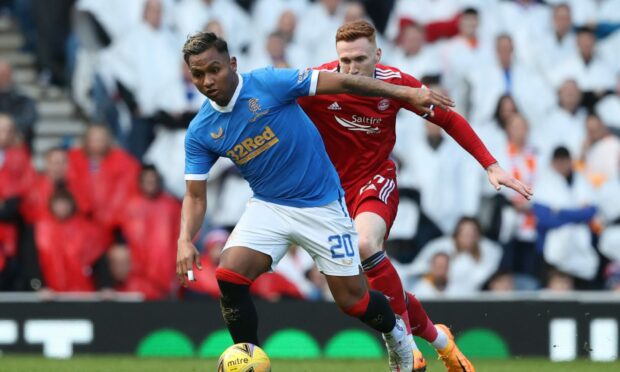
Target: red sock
[[421, 324], [384, 278], [359, 309]]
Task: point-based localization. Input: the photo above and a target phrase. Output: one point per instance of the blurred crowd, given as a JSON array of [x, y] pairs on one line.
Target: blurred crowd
[[539, 81]]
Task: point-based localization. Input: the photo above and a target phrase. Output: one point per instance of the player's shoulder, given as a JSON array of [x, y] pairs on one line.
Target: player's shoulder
[[266, 77], [258, 72], [332, 66], [201, 119], [386, 72]]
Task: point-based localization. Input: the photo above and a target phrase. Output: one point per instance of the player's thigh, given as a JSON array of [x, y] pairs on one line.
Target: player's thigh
[[347, 290], [258, 242], [374, 209], [371, 228], [327, 233]]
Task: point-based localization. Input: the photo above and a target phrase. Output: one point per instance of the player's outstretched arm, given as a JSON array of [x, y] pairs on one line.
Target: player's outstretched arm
[[422, 99], [192, 216]]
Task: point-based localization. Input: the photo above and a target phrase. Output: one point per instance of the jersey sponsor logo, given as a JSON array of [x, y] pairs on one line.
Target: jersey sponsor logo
[[251, 147], [334, 106], [383, 105], [255, 109], [361, 124], [217, 135]]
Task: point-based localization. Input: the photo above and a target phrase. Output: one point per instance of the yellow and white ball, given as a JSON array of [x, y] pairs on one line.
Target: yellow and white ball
[[244, 357]]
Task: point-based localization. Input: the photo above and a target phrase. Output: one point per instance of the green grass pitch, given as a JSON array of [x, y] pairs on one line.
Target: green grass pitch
[[24, 363]]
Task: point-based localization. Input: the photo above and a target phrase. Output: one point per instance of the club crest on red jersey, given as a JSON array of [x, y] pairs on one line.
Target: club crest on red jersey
[[383, 104]]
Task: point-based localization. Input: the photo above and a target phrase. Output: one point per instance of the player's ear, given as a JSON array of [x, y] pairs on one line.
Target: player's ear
[[233, 64], [378, 55]]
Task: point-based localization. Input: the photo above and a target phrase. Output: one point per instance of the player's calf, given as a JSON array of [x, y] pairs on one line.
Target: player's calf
[[382, 276], [237, 306]]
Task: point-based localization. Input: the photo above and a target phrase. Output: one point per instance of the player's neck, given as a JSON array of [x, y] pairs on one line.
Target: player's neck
[[233, 87]]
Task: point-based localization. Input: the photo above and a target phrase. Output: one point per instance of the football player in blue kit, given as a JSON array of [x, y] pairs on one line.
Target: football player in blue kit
[[254, 120]]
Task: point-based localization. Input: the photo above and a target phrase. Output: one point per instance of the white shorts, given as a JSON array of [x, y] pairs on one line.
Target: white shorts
[[327, 233]]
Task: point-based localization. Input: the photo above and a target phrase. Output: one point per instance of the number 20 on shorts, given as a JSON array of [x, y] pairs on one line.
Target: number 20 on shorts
[[341, 246]]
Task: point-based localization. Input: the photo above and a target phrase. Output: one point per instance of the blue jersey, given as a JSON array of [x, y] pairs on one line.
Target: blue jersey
[[267, 135]]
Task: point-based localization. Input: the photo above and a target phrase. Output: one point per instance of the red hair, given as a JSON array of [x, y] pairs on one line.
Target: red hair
[[356, 30]]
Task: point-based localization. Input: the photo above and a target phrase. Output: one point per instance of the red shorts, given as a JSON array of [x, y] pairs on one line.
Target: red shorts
[[377, 194]]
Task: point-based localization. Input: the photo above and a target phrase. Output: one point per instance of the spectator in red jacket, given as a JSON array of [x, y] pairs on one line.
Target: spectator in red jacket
[[108, 174], [150, 222], [54, 176], [68, 246], [16, 175], [205, 282]]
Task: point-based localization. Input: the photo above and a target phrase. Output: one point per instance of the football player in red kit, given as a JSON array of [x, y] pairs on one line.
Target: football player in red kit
[[359, 135]]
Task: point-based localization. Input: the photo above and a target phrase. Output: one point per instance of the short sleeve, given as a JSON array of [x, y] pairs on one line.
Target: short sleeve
[[198, 159], [289, 84]]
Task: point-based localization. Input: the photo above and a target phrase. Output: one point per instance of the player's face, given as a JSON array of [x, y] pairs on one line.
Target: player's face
[[358, 57], [214, 75]]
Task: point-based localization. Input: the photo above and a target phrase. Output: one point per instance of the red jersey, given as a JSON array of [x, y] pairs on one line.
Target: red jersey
[[359, 132]]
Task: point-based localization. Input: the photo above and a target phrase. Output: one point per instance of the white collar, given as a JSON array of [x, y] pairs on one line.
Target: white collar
[[233, 100]]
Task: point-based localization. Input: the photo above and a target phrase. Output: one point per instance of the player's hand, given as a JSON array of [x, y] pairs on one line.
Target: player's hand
[[425, 100], [187, 256], [498, 177]]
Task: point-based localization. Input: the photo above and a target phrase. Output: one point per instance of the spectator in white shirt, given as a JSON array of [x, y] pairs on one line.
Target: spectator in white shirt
[[460, 54], [564, 207], [413, 55], [591, 71], [523, 20], [273, 54], [563, 126], [518, 222], [435, 282], [601, 152], [473, 258], [553, 48], [608, 108], [128, 68], [505, 75], [317, 28], [267, 13], [191, 16]]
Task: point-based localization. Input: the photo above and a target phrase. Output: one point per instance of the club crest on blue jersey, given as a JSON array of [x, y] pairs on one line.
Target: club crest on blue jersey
[[255, 109]]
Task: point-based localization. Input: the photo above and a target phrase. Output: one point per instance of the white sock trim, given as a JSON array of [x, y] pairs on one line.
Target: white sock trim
[[441, 341], [397, 334]]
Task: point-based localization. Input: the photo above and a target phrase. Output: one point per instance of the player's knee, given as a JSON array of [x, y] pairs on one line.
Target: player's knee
[[356, 306], [347, 300], [245, 262], [223, 274], [368, 246]]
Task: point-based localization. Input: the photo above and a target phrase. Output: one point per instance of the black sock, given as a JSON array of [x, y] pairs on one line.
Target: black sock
[[379, 314], [239, 312]]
